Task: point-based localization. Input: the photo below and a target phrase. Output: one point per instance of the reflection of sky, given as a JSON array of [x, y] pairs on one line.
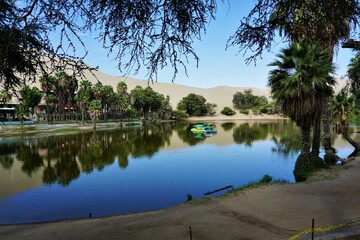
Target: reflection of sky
[[150, 183]]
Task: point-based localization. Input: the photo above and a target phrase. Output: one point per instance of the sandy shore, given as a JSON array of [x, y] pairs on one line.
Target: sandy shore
[[271, 212]]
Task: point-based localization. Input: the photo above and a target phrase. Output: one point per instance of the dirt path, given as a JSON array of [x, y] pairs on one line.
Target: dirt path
[[272, 212]]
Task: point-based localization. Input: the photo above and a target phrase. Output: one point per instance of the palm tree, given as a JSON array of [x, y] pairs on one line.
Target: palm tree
[[5, 96], [325, 22], [120, 104], [353, 73], [83, 97], [60, 90], [95, 110], [301, 74], [121, 88], [47, 84], [71, 87], [21, 112]]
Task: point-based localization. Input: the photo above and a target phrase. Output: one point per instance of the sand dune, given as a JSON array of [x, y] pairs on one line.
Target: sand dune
[[221, 95]]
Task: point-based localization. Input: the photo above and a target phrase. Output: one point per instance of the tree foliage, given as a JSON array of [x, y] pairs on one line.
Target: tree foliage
[[353, 73], [228, 111], [31, 98], [298, 83], [194, 105], [146, 100], [323, 22], [248, 100], [154, 33]]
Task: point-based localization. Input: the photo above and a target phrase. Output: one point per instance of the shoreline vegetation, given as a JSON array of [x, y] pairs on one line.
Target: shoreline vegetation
[[75, 126]]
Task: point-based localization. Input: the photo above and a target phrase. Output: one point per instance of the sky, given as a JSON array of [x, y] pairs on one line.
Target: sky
[[217, 65]]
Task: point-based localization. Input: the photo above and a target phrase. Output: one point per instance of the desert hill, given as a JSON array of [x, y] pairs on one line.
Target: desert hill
[[221, 95]]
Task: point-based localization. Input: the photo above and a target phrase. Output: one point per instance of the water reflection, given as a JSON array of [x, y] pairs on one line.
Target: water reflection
[[62, 158], [180, 164]]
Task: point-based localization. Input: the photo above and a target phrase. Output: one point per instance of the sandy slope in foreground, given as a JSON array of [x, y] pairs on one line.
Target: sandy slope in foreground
[[272, 212]]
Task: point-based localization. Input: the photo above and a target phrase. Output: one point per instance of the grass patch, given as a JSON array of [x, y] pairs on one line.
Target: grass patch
[[324, 174], [265, 181]]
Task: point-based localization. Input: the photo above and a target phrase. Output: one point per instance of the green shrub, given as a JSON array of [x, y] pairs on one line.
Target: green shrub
[[244, 111], [178, 115], [228, 111], [305, 166], [331, 158], [266, 179]]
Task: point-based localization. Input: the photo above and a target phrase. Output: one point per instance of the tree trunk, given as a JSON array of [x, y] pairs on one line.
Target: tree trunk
[[353, 143], [305, 141], [83, 115], [326, 125], [94, 127], [47, 108], [316, 136]]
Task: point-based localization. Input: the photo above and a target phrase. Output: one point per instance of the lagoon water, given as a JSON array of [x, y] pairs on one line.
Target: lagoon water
[[119, 171]]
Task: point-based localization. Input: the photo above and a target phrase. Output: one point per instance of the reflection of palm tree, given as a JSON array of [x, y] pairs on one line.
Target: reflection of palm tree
[[67, 170], [6, 161], [49, 174], [301, 75], [123, 161], [31, 160]]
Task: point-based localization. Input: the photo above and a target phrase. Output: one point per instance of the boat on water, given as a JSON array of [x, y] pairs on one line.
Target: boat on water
[[203, 125], [209, 130], [203, 128]]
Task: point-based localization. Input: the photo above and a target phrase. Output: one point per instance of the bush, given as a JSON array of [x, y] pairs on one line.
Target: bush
[[194, 105], [305, 166], [179, 115], [266, 179], [244, 111], [330, 157], [228, 111]]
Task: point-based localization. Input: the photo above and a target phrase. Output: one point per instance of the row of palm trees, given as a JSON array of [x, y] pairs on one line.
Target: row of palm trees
[[62, 91]]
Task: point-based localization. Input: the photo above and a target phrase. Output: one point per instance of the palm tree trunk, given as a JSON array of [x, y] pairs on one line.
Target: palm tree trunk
[[94, 127], [305, 141], [316, 136], [47, 107], [353, 143], [344, 130], [326, 125], [83, 116]]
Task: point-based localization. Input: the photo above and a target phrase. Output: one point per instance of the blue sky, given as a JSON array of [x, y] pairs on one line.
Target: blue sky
[[217, 66]]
